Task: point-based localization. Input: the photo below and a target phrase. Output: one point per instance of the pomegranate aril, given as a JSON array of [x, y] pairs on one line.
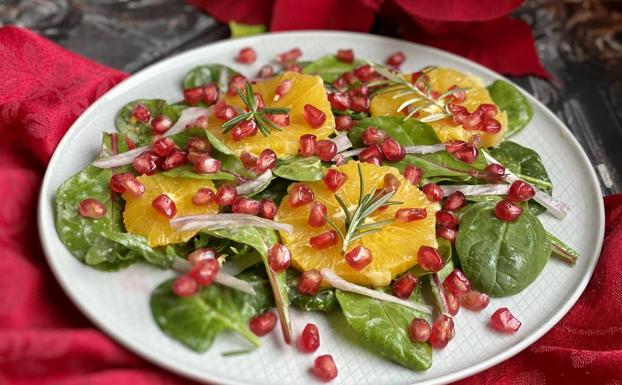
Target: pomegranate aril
[[429, 259], [487, 110], [455, 201], [203, 197], [92, 208], [185, 286], [146, 163], [141, 113], [259, 104], [343, 123], [164, 205], [453, 303], [502, 320], [358, 258], [246, 55], [496, 171], [393, 150], [324, 368], [246, 206], [201, 122], [248, 160], [339, 101], [281, 120], [314, 117], [446, 218], [175, 159], [126, 182], [279, 257], [419, 330], [193, 95], [520, 191], [457, 109], [317, 215], [364, 73], [307, 145], [262, 324], [266, 160], [310, 282], [292, 67], [289, 56], [350, 78], [404, 286], [283, 88], [372, 135], [474, 300], [508, 211], [198, 144], [223, 111], [454, 145], [325, 150], [162, 146], [413, 173], [491, 126], [340, 84], [345, 55], [130, 143], [160, 124], [225, 195], [390, 183], [467, 154], [194, 155], [202, 254], [237, 82], [265, 71], [371, 154], [458, 96], [406, 215], [442, 331], [334, 179], [309, 339], [205, 271], [244, 129], [446, 233], [299, 195], [267, 208], [396, 59], [475, 141], [210, 94], [324, 240], [360, 103], [433, 192]]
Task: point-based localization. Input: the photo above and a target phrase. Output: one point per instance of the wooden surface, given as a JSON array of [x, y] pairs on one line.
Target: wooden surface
[[579, 42]]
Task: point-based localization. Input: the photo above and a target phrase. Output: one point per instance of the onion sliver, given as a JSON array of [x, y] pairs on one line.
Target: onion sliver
[[225, 221]]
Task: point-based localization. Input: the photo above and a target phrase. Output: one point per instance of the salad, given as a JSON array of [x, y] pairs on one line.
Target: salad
[[335, 185]]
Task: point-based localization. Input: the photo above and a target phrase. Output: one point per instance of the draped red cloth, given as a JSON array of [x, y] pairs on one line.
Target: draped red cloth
[[44, 339]]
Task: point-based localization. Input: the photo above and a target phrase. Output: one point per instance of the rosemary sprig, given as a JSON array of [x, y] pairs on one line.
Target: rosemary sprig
[[421, 90], [264, 124], [355, 227]]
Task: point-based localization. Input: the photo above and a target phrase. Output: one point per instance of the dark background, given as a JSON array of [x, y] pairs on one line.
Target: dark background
[[579, 42]]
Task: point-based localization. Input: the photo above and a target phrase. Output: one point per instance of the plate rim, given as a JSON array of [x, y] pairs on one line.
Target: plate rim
[[152, 356]]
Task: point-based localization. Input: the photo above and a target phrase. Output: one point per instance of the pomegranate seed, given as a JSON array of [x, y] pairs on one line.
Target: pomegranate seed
[[467, 154], [446, 233], [267, 208], [160, 124], [310, 282], [281, 120], [300, 194], [345, 55], [340, 160], [130, 143], [475, 141], [324, 368], [205, 271], [390, 183], [163, 145], [146, 163], [472, 121], [246, 55], [317, 215], [371, 154], [175, 159], [455, 201], [343, 123], [453, 303], [458, 96], [403, 287], [339, 101], [309, 339], [198, 144], [491, 126], [358, 258], [164, 205], [372, 135], [141, 113], [457, 109], [201, 122], [361, 90], [279, 257], [433, 191], [266, 160], [307, 145], [396, 59], [360, 103], [350, 78], [262, 324], [419, 330], [520, 191], [246, 206], [248, 160], [259, 104], [429, 259], [202, 254], [434, 95], [225, 195], [325, 149], [314, 117], [508, 211], [203, 197], [442, 331], [487, 110], [340, 84], [244, 129], [393, 150], [92, 208], [194, 155], [283, 88], [454, 145], [503, 321], [413, 173], [364, 73], [289, 56], [334, 179], [210, 93], [265, 72], [185, 286], [410, 214], [126, 182], [193, 96], [324, 240], [223, 111], [446, 219], [292, 67], [496, 171], [475, 301], [237, 82], [457, 283]]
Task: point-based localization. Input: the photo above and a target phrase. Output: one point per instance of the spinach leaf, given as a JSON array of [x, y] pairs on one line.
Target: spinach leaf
[[325, 300], [138, 132], [299, 168], [409, 133], [509, 99], [385, 327], [207, 73], [276, 191], [218, 144], [195, 321], [186, 171], [162, 257], [329, 68], [501, 258]]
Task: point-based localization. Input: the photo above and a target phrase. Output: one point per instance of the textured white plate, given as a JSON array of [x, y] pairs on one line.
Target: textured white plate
[[119, 302]]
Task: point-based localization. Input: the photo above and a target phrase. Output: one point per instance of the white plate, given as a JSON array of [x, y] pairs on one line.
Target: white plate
[[119, 302]]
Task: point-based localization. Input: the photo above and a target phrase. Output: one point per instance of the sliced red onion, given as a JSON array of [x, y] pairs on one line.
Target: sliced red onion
[[255, 185], [187, 118], [341, 284], [121, 159], [430, 149], [477, 189], [225, 221], [342, 142], [223, 79], [348, 154], [183, 266]]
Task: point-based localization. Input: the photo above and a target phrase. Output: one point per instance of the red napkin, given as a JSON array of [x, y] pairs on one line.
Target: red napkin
[[44, 339]]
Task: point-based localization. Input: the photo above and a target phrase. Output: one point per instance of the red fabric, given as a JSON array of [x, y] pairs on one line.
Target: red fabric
[[44, 340]]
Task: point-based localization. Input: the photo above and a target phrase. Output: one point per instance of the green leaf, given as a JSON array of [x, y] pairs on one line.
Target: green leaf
[[325, 300], [329, 68], [138, 132], [162, 257], [384, 326], [276, 191], [299, 168], [501, 258], [509, 99], [408, 133], [207, 73], [186, 171], [218, 144], [240, 30]]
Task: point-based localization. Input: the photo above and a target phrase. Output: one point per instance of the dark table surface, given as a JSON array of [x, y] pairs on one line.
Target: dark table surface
[[579, 42]]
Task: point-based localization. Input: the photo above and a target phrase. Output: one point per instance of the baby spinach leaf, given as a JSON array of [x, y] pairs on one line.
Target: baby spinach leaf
[[276, 191], [138, 132], [501, 258], [162, 257], [218, 144], [329, 68], [409, 133], [385, 327], [186, 171], [207, 73], [509, 99], [325, 300], [299, 168]]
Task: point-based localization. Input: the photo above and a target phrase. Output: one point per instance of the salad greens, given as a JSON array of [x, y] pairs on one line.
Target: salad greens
[[205, 74], [509, 99], [329, 67], [299, 168]]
